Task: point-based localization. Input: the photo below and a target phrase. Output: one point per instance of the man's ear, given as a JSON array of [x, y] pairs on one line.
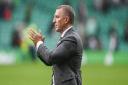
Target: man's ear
[[66, 19]]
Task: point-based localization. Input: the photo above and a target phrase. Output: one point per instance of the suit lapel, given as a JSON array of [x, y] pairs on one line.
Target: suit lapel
[[61, 39], [68, 32]]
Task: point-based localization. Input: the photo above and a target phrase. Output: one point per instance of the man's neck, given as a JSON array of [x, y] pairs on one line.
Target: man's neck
[[66, 29]]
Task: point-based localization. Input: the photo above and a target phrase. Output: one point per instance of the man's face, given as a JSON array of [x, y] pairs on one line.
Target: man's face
[[59, 20]]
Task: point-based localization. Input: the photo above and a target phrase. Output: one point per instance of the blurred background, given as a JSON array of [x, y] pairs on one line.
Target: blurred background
[[102, 25]]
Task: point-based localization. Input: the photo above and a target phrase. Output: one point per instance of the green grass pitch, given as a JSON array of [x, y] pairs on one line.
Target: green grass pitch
[[38, 74], [93, 73]]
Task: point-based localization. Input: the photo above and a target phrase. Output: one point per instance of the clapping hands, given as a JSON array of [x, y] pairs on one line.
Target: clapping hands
[[35, 36]]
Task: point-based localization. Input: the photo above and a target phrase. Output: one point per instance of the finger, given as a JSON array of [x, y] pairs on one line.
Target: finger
[[30, 34], [33, 31], [31, 38]]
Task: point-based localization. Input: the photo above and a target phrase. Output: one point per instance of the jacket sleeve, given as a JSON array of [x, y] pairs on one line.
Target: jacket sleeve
[[60, 54]]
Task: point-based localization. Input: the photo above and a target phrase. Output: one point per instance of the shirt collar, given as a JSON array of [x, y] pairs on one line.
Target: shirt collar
[[62, 35]]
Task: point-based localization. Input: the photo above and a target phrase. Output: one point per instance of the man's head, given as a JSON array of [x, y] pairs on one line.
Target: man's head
[[63, 18]]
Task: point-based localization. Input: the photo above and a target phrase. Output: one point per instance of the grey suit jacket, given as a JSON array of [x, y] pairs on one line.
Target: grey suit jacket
[[65, 59]]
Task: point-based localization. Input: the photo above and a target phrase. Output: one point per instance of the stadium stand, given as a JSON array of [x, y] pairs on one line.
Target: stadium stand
[[43, 11]]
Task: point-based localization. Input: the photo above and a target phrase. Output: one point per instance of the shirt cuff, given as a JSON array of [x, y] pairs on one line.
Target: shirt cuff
[[38, 44]]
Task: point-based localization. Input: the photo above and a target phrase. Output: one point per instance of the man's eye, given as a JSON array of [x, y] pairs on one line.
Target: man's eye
[[57, 16]]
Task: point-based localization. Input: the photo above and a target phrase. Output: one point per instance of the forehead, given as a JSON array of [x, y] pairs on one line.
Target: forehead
[[59, 12]]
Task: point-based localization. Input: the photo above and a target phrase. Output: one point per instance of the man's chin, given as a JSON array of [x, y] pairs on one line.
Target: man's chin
[[57, 30]]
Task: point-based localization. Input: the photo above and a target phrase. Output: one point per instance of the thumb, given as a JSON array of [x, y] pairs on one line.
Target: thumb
[[40, 33]]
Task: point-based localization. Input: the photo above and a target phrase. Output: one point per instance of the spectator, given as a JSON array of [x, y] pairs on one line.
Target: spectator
[[17, 35], [81, 20], [126, 33], [28, 12], [101, 5], [92, 33], [113, 45], [6, 8]]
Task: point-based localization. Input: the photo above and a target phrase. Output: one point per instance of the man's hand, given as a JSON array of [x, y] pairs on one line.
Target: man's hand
[[35, 36]]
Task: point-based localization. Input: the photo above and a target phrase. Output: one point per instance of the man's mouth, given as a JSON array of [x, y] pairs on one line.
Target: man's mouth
[[55, 26]]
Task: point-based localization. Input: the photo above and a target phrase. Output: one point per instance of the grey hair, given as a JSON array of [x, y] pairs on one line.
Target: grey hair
[[69, 11]]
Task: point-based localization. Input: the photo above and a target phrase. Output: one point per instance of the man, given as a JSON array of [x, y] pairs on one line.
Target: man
[[66, 57]]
